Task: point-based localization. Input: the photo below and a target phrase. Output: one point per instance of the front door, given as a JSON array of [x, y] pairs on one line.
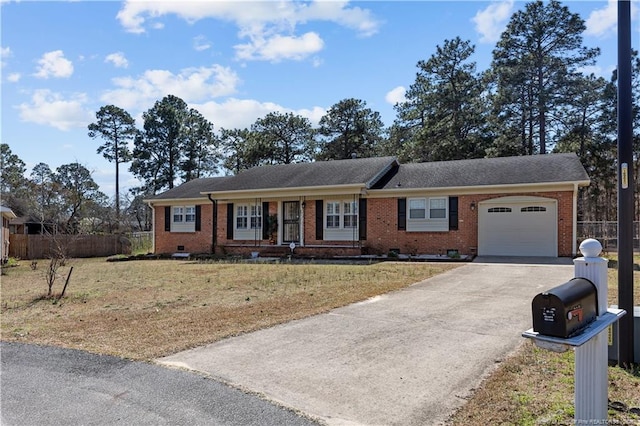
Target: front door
[[291, 222]]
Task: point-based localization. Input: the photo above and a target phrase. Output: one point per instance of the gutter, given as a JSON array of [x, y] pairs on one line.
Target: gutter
[[153, 226]]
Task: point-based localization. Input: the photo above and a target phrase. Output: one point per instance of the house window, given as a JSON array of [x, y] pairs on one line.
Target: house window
[[242, 217], [183, 219], [500, 210], [184, 214], [190, 214], [178, 214], [249, 216], [342, 214], [350, 214], [437, 208], [417, 208], [333, 214], [256, 216]]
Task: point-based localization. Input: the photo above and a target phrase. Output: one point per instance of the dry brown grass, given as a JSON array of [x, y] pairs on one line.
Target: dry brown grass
[[536, 387], [147, 309]]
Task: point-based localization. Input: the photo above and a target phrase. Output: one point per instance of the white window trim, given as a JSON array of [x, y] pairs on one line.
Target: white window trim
[[425, 203], [428, 223], [186, 218], [250, 212], [446, 208], [341, 215]]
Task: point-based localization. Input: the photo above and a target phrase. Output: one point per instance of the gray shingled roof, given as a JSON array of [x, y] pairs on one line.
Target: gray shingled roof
[[191, 189], [548, 168], [359, 171]]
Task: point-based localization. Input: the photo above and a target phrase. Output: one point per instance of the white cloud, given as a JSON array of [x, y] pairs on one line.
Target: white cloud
[[490, 22], [14, 77], [242, 113], [54, 64], [280, 47], [52, 109], [201, 43], [5, 52], [117, 59], [270, 26], [191, 85], [603, 22], [396, 96]]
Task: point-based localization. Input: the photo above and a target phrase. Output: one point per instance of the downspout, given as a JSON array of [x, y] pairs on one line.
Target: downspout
[[355, 237], [575, 219], [303, 204], [214, 223], [153, 227]]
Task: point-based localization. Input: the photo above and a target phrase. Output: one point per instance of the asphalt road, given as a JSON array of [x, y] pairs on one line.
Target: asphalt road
[[53, 386]]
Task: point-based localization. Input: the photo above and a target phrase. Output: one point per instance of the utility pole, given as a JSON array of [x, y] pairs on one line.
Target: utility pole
[[625, 186]]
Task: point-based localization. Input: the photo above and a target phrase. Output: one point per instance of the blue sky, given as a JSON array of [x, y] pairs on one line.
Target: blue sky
[[233, 61]]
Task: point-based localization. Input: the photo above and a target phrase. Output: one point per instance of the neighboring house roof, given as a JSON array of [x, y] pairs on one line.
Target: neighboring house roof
[[192, 189], [531, 169], [7, 212]]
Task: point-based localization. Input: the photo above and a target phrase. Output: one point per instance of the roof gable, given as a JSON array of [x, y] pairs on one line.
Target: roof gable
[[192, 189], [362, 171]]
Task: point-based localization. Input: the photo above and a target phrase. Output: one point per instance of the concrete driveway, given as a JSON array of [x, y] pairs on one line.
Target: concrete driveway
[[406, 358]]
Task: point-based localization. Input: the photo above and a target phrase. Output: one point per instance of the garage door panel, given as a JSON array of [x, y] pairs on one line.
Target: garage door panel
[[517, 229]]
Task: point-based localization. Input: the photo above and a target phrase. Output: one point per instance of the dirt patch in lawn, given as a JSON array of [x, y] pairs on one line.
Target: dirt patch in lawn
[[148, 309]]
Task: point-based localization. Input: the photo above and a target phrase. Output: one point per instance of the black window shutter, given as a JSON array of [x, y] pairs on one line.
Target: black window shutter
[[402, 214], [167, 219], [453, 213], [198, 215], [319, 219], [362, 218], [265, 221], [230, 221]]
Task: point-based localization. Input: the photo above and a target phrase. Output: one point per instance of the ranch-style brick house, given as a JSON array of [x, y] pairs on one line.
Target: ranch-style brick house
[[511, 206]]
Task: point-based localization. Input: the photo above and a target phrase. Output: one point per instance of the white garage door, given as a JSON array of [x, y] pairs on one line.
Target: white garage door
[[518, 226]]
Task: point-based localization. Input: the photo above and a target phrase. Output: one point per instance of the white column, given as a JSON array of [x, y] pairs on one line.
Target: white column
[[591, 369]]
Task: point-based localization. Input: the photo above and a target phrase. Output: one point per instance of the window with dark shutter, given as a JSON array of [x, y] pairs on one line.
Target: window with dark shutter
[[453, 213], [167, 219], [319, 219], [265, 221], [402, 214], [198, 218], [362, 219], [230, 221]]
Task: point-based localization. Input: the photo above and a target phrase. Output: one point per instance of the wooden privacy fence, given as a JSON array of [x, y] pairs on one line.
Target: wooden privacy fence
[[45, 246]]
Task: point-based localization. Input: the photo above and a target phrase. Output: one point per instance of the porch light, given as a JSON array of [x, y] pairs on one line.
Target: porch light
[[473, 206]]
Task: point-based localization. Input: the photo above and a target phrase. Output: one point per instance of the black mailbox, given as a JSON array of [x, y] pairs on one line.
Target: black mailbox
[[566, 309]]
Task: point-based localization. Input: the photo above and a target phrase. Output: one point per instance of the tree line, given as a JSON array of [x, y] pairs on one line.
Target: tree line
[[535, 98]]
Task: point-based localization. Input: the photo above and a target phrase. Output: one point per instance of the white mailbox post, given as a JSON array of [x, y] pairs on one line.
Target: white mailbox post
[[591, 358]]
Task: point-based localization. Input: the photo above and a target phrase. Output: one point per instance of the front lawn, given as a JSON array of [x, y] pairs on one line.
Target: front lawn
[[147, 309]]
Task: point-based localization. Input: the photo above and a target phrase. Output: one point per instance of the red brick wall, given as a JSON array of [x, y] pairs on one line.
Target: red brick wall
[[193, 242], [382, 230], [382, 233]]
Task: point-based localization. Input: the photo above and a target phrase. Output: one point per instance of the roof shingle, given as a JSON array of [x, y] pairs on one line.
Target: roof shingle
[[549, 168]]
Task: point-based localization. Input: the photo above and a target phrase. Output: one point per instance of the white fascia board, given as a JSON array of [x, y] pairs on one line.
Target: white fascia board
[[176, 201], [306, 191], [483, 189]]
